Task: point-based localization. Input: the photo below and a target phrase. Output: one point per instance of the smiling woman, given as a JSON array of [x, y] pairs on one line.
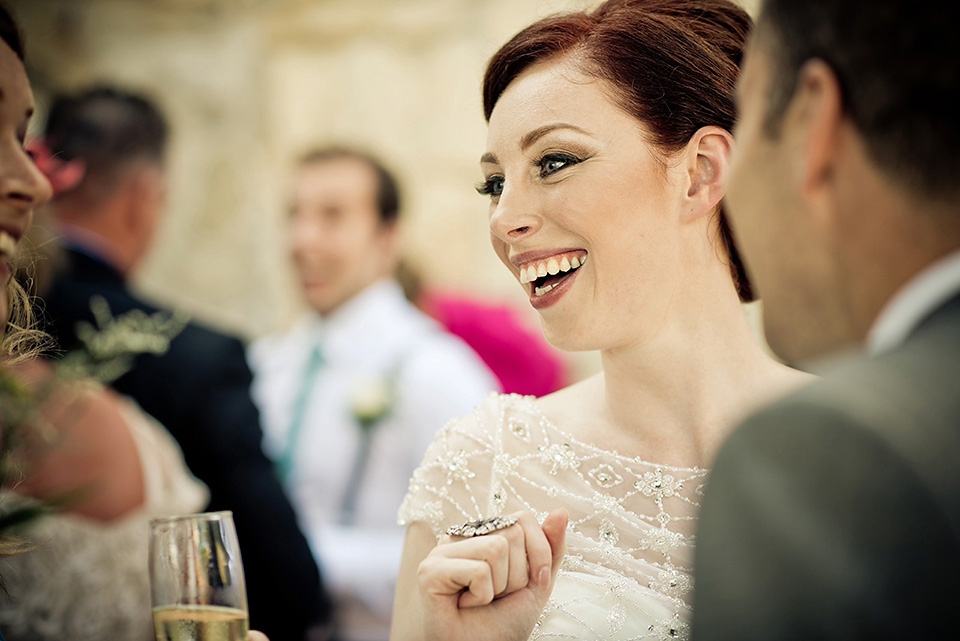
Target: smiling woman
[[22, 187], [73, 439], [607, 149]]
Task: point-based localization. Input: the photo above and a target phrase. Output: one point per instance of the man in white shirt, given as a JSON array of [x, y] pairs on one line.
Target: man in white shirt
[[352, 395], [835, 513]]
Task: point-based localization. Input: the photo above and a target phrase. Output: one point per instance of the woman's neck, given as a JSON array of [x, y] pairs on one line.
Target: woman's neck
[[675, 398]]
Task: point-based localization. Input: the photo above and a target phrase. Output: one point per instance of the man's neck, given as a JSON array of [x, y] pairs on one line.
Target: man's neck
[[90, 242]]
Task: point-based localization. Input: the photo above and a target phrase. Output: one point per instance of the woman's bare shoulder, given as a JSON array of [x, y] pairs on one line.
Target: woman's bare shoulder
[[80, 446]]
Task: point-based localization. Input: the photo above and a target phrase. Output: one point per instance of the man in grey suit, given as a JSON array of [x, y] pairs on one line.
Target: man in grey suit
[[835, 513]]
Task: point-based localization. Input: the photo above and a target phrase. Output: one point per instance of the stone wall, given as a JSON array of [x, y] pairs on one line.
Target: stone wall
[[248, 84]]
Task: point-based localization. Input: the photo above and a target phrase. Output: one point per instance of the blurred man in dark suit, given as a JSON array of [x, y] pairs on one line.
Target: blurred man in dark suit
[[835, 513], [114, 142]]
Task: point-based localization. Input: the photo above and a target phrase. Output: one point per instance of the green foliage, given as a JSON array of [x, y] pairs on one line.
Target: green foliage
[[108, 349]]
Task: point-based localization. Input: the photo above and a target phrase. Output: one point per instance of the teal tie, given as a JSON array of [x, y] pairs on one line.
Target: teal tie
[[284, 463]]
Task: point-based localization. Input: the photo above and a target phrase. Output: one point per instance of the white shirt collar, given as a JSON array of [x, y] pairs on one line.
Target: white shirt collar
[[913, 302], [375, 316]]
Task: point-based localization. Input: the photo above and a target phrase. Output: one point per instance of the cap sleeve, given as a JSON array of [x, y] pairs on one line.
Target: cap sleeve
[[453, 482]]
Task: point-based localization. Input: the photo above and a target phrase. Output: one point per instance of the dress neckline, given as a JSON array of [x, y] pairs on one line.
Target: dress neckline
[[529, 403]]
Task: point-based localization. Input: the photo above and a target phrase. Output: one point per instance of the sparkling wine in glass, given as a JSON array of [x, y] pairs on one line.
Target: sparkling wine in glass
[[196, 579]]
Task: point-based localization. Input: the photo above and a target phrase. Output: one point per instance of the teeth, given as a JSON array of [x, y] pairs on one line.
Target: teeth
[[552, 266], [8, 244], [540, 291]]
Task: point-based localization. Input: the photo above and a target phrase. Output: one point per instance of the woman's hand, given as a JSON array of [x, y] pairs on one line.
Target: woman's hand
[[253, 635], [492, 586]]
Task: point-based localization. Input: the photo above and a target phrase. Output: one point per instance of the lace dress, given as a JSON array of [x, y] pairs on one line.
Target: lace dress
[[86, 580], [627, 571]]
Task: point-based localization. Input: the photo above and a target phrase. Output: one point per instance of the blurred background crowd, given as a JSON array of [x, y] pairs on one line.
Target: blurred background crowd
[[249, 85]]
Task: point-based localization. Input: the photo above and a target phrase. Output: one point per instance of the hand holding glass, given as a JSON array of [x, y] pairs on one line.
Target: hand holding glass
[[196, 579]]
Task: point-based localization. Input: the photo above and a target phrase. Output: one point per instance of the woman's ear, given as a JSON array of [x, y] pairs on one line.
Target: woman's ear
[[707, 161]]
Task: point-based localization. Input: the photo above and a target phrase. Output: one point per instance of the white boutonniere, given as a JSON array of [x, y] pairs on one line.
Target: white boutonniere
[[371, 401]]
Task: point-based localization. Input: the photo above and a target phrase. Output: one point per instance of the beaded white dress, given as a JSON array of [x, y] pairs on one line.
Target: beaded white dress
[[627, 571], [86, 580]]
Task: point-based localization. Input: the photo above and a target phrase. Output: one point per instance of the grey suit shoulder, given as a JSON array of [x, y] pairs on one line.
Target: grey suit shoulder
[[835, 512]]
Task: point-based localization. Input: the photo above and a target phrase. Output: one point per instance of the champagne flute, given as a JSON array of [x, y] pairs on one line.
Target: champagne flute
[[196, 579]]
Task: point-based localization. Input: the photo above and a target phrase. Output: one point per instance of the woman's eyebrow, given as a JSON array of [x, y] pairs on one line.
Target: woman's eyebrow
[[540, 132], [535, 135]]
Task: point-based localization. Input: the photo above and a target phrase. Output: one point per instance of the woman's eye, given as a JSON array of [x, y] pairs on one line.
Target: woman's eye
[[492, 186], [552, 163]]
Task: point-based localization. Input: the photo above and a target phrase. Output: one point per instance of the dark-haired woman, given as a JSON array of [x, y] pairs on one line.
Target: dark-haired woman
[[609, 140]]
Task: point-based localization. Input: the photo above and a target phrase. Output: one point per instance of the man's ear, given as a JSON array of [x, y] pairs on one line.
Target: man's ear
[[707, 162], [128, 199], [142, 191], [816, 117], [390, 244]]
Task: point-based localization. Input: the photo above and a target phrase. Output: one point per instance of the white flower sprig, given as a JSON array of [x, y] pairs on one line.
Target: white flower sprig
[[109, 348]]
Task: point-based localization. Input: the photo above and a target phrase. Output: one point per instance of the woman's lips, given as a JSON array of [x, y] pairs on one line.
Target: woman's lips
[[545, 290]]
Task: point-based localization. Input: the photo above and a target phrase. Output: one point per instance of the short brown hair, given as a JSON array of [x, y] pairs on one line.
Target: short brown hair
[[388, 191], [108, 128], [898, 65]]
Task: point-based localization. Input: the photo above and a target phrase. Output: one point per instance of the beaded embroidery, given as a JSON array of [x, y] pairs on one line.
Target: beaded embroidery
[[627, 573]]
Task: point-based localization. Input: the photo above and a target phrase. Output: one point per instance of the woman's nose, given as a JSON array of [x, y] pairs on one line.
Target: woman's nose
[[21, 183], [514, 215]]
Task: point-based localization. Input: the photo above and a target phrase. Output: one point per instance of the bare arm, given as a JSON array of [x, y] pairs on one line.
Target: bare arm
[[406, 621]]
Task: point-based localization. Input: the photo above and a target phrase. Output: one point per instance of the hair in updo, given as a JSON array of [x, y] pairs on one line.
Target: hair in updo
[[672, 64]]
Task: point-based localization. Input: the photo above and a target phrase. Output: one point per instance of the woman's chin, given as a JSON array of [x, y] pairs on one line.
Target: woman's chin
[[568, 338]]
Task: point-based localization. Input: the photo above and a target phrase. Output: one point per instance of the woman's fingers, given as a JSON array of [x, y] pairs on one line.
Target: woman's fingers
[[555, 530], [493, 565], [491, 549], [443, 576], [516, 553], [538, 552]]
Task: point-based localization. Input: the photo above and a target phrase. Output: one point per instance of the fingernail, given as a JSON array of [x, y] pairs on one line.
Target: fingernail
[[543, 579]]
